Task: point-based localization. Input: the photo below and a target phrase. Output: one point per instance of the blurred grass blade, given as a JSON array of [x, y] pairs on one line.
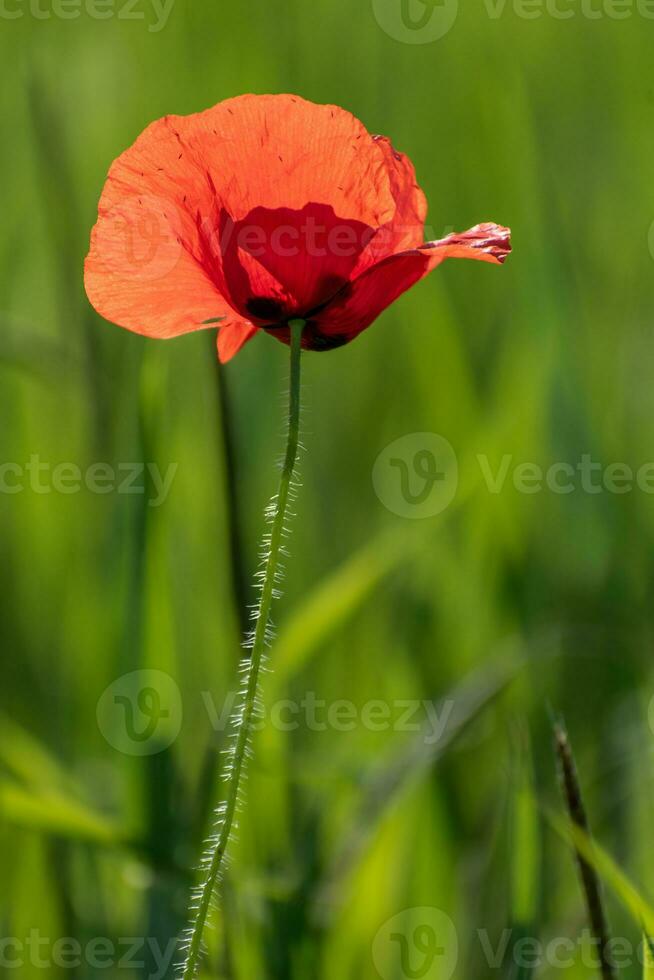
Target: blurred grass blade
[[56, 190], [48, 799], [633, 901], [395, 775], [24, 348], [526, 845], [335, 599], [56, 814], [590, 880], [27, 758], [525, 855]]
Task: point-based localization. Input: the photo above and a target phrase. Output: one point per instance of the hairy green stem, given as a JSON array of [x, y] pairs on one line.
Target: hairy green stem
[[269, 576]]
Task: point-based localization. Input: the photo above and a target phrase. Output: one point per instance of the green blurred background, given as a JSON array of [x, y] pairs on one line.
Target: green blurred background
[[541, 123]]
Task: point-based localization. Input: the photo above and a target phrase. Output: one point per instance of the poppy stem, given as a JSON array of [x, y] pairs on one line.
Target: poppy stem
[[242, 723]]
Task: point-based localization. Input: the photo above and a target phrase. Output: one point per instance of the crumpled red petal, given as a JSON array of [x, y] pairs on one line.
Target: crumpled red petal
[[362, 301]]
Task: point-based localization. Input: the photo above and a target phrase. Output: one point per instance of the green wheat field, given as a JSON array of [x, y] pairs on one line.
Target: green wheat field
[[403, 813]]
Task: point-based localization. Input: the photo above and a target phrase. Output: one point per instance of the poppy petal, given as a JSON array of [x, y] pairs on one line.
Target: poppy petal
[[231, 338], [280, 151], [406, 227], [159, 264], [362, 301], [162, 274], [146, 269], [252, 288], [286, 263]]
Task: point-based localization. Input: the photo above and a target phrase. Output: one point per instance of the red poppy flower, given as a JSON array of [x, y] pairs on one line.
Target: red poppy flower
[[258, 211]]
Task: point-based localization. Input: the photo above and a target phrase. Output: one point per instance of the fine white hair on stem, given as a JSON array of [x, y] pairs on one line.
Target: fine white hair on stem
[[249, 708]]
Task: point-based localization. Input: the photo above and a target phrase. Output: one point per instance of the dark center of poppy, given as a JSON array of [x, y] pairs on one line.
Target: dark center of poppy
[[317, 340], [265, 308]]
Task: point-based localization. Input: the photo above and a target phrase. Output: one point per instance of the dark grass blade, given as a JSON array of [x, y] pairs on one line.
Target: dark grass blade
[[648, 965], [227, 449], [590, 881]]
